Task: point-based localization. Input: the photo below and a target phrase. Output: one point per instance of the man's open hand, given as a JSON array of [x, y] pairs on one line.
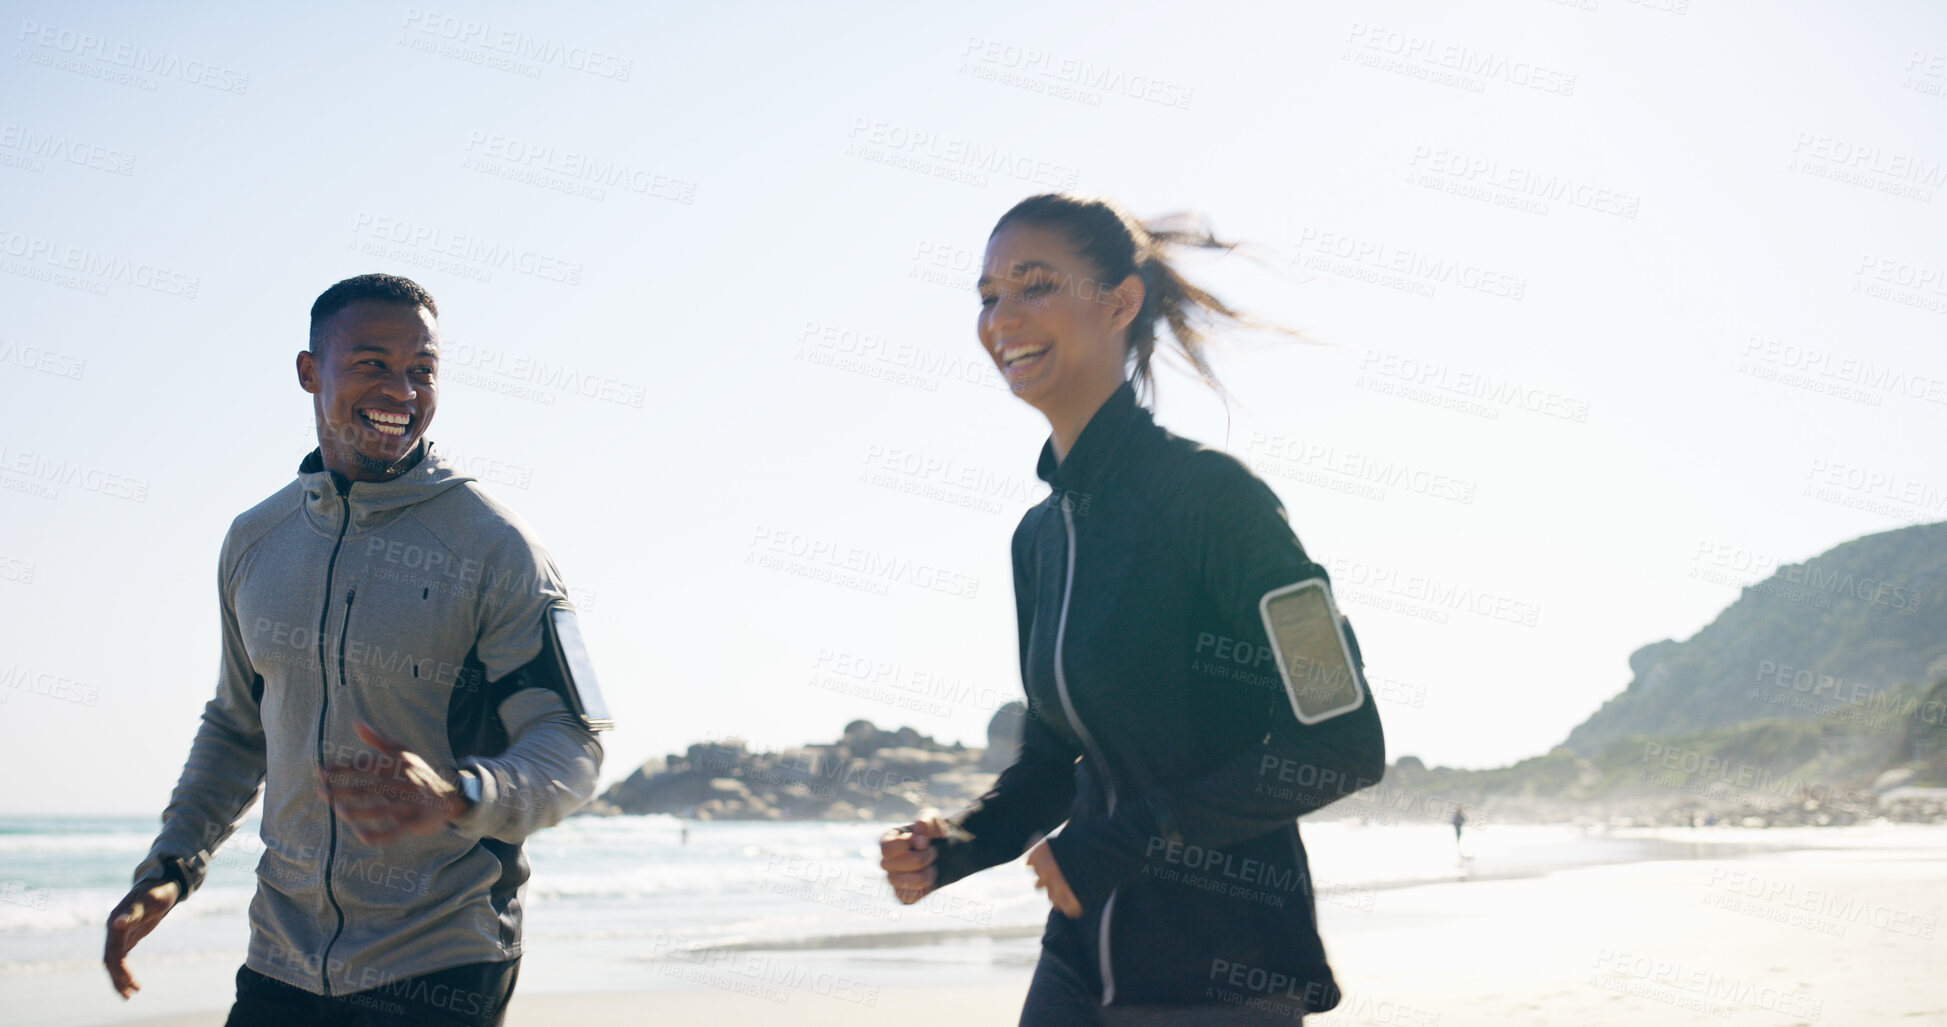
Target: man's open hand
[[134, 917], [398, 793]]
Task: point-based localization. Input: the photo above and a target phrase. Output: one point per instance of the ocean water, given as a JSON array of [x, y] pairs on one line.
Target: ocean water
[[755, 883], [610, 897]]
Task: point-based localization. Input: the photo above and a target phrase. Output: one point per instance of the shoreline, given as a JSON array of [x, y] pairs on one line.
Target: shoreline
[[1704, 925]]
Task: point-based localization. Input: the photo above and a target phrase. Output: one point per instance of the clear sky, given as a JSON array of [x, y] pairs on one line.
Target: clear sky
[[1621, 305]]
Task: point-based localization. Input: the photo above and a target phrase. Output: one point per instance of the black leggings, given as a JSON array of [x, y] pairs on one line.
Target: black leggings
[[1059, 996], [474, 995]]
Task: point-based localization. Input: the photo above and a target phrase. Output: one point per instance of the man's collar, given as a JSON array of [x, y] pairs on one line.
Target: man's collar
[[313, 463], [428, 476]]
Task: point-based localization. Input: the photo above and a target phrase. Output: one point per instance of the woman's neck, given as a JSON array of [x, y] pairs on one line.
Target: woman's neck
[[1067, 419]]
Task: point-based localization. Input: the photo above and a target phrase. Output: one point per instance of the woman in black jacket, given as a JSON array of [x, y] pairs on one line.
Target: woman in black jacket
[[1179, 717]]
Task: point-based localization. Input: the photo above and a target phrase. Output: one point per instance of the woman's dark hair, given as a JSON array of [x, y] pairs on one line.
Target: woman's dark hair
[[1119, 245]]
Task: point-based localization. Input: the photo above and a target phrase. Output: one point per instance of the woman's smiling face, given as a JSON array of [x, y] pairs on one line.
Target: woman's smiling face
[[1049, 326]]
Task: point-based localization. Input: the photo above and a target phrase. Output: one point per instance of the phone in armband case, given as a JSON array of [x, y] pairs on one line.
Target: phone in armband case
[[576, 670], [1314, 658]]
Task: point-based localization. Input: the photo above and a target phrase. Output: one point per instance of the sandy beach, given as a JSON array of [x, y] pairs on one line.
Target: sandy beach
[[1844, 929], [1820, 936]]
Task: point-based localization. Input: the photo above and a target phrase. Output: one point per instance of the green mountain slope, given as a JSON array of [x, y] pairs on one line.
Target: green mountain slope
[[1832, 636]]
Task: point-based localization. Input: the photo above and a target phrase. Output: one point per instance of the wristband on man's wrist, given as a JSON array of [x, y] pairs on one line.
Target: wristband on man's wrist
[[470, 787], [170, 868]]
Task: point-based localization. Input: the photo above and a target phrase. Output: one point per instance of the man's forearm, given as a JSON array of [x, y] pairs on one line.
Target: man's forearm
[[219, 782], [548, 770]]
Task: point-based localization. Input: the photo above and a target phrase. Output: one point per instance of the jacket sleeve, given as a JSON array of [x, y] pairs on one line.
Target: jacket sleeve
[[552, 760], [548, 770], [1242, 548], [1033, 794], [225, 769]]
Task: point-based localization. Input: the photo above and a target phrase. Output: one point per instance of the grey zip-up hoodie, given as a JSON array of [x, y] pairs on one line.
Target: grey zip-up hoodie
[[416, 605]]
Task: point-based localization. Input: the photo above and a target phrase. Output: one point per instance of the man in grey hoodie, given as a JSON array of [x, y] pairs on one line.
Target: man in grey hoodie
[[403, 681]]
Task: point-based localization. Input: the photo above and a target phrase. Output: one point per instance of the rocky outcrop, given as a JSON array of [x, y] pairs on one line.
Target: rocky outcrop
[[867, 774], [1004, 737]]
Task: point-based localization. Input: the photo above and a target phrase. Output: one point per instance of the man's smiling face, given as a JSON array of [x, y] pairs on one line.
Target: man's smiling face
[[373, 376]]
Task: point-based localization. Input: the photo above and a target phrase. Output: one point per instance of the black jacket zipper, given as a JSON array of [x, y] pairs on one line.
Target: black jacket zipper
[[324, 708], [1095, 754]]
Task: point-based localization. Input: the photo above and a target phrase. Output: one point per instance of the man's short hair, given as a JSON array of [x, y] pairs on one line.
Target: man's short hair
[[384, 288]]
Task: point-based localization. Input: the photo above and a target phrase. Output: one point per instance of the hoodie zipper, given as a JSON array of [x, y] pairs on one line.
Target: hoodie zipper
[[1068, 707], [324, 708]]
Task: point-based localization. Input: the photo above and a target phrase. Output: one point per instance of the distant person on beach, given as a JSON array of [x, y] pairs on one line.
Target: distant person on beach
[[403, 679], [1154, 589], [1459, 818]]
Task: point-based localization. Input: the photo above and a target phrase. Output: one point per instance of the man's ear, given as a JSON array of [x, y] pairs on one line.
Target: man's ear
[[307, 372]]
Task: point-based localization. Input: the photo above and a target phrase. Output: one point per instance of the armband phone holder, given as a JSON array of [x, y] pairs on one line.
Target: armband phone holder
[[577, 672], [1308, 638]]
